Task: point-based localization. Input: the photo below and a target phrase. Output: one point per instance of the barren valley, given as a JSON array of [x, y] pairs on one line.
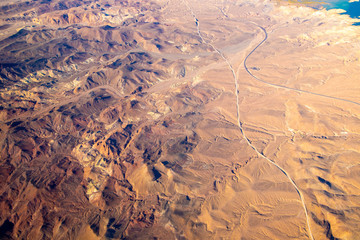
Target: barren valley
[[178, 119]]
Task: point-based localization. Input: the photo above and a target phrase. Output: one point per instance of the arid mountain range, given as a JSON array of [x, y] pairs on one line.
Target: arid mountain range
[[178, 119]]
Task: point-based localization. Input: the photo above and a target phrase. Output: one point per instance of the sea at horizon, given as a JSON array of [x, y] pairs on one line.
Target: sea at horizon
[[351, 8]]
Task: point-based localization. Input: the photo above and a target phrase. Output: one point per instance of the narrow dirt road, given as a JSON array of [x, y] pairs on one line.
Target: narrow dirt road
[[197, 22], [282, 86]]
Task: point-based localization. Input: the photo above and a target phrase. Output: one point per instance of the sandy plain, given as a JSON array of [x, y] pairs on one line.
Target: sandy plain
[[180, 120]]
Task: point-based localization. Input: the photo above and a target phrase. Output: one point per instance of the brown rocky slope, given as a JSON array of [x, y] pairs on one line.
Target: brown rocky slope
[[119, 120]]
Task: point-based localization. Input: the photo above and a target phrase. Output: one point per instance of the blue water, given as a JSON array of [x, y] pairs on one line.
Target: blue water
[[352, 9]]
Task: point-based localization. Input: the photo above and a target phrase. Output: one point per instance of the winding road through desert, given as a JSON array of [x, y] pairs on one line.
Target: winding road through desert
[[178, 119], [197, 22], [282, 86]]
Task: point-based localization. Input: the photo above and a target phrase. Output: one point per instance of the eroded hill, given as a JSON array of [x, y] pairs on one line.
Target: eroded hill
[[141, 120]]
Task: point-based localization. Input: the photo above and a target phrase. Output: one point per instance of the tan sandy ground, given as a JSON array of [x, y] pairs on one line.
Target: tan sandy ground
[[212, 183], [314, 138]]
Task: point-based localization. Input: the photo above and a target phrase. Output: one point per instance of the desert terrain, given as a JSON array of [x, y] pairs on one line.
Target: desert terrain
[[178, 119]]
